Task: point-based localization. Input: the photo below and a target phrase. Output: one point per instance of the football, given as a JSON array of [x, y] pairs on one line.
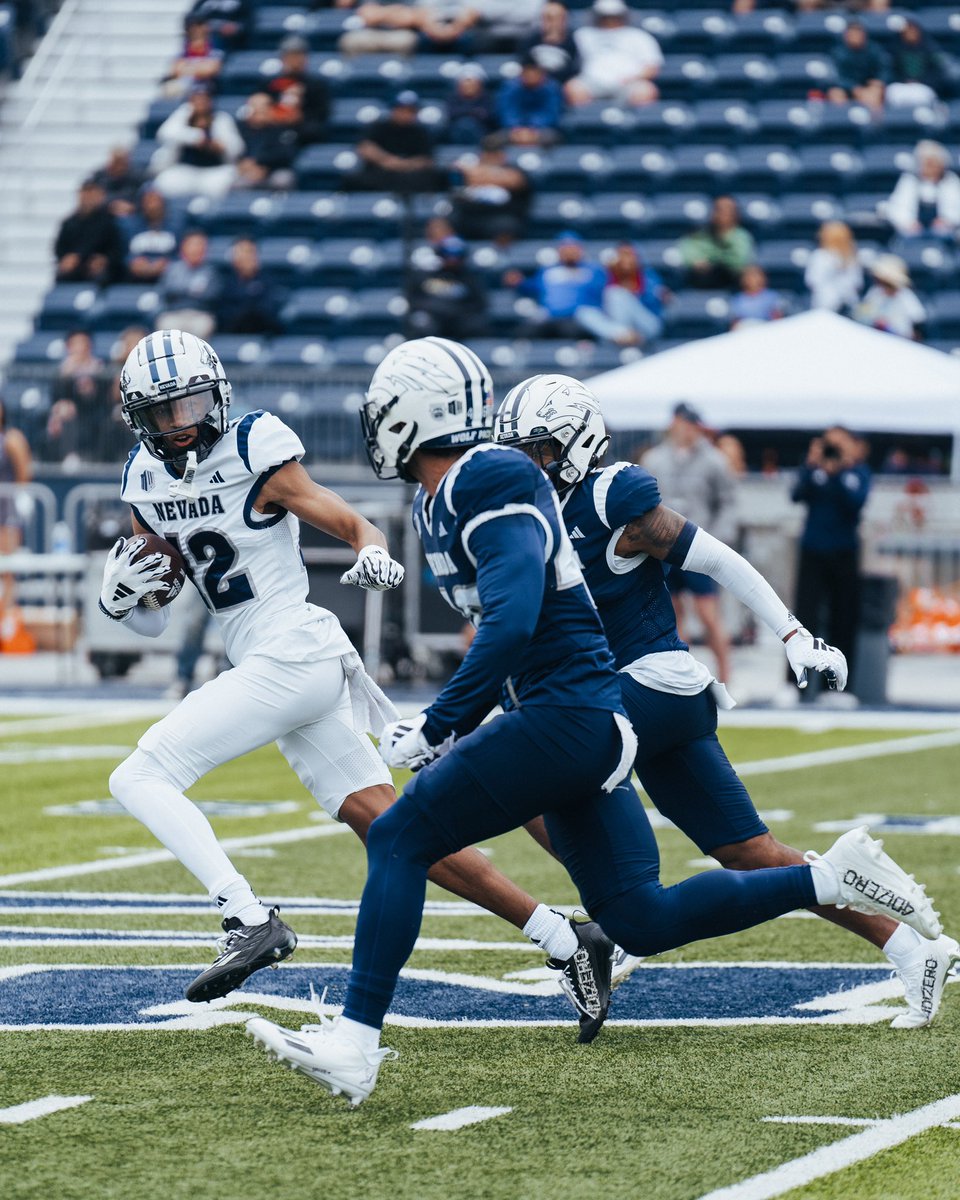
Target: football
[[175, 574]]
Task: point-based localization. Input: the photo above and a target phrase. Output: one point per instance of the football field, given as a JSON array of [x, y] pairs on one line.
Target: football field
[[753, 1066]]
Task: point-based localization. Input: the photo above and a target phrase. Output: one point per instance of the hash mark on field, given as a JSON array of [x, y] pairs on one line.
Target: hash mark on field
[[473, 1114], [19, 1114], [832, 1158]]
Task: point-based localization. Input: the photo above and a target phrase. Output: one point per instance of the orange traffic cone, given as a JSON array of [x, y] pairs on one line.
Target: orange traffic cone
[[15, 638]]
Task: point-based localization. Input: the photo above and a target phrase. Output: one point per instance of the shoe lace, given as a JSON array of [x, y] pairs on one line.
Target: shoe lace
[[228, 941], [324, 1023]]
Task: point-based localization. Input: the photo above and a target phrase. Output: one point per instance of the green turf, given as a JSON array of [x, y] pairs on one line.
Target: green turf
[[658, 1113]]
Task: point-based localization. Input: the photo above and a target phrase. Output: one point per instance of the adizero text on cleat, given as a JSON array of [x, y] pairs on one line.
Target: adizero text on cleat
[[324, 1055], [923, 980], [871, 882], [585, 978], [243, 950]]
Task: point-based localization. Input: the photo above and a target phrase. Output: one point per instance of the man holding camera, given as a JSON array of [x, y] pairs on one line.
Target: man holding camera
[[834, 483]]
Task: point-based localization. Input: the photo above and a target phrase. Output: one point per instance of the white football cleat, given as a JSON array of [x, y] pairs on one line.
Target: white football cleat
[[923, 982], [324, 1055], [871, 882], [622, 964]]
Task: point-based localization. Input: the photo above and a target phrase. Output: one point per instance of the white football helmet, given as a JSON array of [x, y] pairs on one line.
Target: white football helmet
[[427, 394], [173, 382], [554, 408]]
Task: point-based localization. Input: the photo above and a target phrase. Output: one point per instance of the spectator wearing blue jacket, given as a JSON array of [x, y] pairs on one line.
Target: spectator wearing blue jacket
[[529, 107], [569, 293]]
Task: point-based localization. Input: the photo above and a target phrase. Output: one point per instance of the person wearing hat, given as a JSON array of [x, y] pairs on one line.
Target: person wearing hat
[[294, 79], [200, 59], [552, 45], [530, 106], [618, 61], [863, 69], [397, 152], [890, 304], [696, 479], [447, 300], [89, 245], [470, 115], [926, 200], [569, 292]]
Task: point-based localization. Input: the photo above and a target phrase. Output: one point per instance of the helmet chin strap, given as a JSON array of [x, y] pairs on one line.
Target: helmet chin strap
[[187, 486]]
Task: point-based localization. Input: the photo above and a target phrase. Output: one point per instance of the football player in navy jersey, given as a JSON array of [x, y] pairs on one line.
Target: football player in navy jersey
[[491, 527], [622, 535]]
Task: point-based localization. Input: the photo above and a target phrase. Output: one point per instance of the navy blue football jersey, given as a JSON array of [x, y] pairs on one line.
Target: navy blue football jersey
[[631, 593], [567, 661]]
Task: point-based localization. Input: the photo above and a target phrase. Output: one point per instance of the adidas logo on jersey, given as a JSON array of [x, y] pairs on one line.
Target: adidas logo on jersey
[[146, 480], [575, 533], [216, 477]]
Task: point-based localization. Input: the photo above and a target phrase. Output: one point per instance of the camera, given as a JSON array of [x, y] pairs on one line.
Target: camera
[[831, 451]]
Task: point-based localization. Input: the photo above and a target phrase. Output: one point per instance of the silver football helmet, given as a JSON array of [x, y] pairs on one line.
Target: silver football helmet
[[427, 394], [172, 383], [560, 409]]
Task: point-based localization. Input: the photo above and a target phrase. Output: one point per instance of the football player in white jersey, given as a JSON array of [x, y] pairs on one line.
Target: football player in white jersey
[[229, 495]]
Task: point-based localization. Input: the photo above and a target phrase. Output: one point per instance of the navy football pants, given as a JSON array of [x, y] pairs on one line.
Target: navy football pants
[[684, 769], [551, 761]]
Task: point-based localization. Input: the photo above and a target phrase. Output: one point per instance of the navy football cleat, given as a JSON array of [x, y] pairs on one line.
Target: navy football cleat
[[243, 950], [585, 978]]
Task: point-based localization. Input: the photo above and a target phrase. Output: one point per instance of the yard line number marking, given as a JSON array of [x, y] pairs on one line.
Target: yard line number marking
[[829, 1159], [19, 1114], [473, 1114]]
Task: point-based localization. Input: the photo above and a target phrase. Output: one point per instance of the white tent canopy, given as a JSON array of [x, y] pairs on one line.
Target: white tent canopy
[[804, 372]]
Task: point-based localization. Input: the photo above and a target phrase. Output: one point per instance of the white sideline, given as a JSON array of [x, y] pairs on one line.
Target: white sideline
[[19, 1114], [829, 1159], [473, 1114], [843, 754]]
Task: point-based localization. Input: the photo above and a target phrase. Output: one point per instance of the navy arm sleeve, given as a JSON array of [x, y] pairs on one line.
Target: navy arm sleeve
[[511, 577]]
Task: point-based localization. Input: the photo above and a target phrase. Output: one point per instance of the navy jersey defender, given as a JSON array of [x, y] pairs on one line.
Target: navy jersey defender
[[558, 751], [231, 494], [622, 534]]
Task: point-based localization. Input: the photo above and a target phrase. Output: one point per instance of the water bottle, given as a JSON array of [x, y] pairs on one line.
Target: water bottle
[[60, 540]]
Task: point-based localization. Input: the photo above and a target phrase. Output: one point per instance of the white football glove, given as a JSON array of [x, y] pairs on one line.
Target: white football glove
[[375, 570], [125, 583], [804, 651], [402, 744]]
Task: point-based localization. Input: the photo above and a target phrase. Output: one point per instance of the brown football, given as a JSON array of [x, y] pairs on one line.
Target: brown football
[[175, 574]]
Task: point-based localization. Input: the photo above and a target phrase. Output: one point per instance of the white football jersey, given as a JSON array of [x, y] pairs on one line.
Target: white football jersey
[[246, 565]]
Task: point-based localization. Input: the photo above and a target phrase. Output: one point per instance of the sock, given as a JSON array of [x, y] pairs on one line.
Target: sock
[[364, 1036], [235, 898], [551, 931], [826, 883], [901, 945]]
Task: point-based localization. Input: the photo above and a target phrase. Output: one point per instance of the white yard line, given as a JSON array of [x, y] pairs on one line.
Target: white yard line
[[473, 1114], [149, 857], [845, 754], [857, 1121], [829, 1159], [19, 1114]]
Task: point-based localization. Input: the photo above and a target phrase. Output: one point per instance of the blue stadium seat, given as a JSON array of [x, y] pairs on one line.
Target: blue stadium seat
[[271, 23], [680, 73], [292, 261], [299, 352], [244, 71], [346, 262], [44, 347], [381, 75], [761, 213], [931, 261], [240, 212], [606, 124], [319, 167], [319, 311], [126, 304], [784, 262], [802, 213], [618, 216], [831, 168], [67, 305], [351, 114], [853, 124], [243, 349], [500, 354], [906, 126], [358, 351], [566, 167], [361, 214], [883, 165], [818, 32], [698, 314], [506, 311], [802, 73], [763, 32], [769, 168], [702, 31], [864, 213], [667, 122], [793, 121], [638, 170], [556, 211], [726, 120], [703, 167], [679, 213], [943, 312], [379, 311], [746, 75]]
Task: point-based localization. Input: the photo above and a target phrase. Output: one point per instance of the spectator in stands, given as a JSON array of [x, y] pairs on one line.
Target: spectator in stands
[[755, 303], [833, 274], [397, 153], [505, 25], [890, 304], [247, 300], [470, 112], [270, 141], [115, 436], [917, 74], [200, 60], [618, 61], [491, 196], [552, 46], [927, 199], [189, 289], [77, 402], [294, 77], [89, 245], [16, 468], [228, 20], [152, 239], [447, 300], [529, 107], [400, 28], [121, 182], [716, 254], [633, 298], [569, 293], [863, 69], [695, 479], [200, 145]]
